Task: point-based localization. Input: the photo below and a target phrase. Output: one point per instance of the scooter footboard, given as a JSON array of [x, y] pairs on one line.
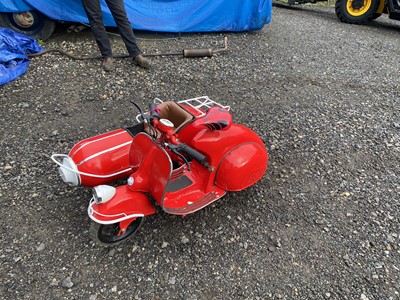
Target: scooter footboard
[[124, 205]]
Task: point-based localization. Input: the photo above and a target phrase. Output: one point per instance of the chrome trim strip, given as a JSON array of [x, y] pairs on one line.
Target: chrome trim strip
[[90, 142], [102, 152], [122, 218]]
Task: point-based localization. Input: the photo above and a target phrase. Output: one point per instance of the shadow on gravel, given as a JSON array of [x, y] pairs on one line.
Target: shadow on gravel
[[323, 12], [329, 13], [380, 25]]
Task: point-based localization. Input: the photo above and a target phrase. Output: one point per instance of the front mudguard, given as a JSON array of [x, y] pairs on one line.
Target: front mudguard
[[124, 205]]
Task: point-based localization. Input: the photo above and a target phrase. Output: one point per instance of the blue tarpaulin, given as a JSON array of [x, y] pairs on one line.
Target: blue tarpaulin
[[13, 49], [162, 15], [153, 15], [14, 6]]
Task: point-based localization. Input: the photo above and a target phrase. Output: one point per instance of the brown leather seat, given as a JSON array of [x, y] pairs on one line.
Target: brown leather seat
[[173, 112]]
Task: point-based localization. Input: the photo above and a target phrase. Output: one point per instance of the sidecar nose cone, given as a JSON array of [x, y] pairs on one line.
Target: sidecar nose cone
[[68, 171]]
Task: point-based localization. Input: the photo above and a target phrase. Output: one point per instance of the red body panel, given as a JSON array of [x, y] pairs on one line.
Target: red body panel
[[217, 143], [103, 155], [242, 167], [151, 165], [243, 150], [126, 205], [151, 169], [190, 191], [212, 120]]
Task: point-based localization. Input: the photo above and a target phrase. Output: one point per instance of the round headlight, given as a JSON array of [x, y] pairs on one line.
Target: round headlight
[[167, 123], [69, 172], [103, 193]]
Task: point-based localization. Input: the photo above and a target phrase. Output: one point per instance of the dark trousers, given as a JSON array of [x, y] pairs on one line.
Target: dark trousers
[[117, 8]]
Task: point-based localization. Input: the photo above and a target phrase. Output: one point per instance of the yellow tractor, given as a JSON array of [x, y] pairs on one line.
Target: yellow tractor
[[359, 11]]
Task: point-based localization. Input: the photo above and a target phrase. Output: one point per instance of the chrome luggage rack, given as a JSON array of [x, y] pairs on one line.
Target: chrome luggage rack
[[199, 104], [202, 104]]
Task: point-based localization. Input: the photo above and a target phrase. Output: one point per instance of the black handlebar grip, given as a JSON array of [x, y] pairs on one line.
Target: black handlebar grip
[[154, 111], [195, 155]]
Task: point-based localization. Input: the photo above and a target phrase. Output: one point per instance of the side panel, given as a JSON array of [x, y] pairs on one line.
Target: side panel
[[217, 143], [238, 154], [242, 167]]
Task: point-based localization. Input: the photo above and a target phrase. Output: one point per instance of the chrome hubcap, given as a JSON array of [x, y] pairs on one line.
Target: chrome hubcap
[[24, 19]]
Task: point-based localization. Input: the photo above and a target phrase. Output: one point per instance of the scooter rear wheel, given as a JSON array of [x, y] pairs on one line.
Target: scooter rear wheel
[[107, 235]]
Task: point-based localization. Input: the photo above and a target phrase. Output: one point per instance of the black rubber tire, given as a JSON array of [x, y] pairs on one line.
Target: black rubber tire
[[347, 17], [42, 27], [375, 16], [107, 235]]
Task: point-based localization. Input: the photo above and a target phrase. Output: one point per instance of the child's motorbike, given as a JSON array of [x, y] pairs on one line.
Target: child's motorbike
[[180, 156]]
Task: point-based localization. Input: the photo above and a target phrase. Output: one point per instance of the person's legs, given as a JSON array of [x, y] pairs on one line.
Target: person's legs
[[94, 14], [118, 11]]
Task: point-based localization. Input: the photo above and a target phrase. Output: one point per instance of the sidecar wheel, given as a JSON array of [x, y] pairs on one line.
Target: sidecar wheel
[[107, 235]]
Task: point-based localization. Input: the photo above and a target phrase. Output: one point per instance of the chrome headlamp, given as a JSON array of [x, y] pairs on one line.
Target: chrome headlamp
[[69, 172], [103, 193]]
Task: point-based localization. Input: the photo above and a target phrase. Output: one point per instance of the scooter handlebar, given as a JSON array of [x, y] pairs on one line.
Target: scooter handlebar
[[194, 154], [191, 152], [154, 111]]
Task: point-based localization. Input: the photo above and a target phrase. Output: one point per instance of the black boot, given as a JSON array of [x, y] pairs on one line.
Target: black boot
[[108, 64], [141, 61]]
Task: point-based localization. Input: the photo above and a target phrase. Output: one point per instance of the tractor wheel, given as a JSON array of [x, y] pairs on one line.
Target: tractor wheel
[[375, 16], [356, 11], [31, 23]]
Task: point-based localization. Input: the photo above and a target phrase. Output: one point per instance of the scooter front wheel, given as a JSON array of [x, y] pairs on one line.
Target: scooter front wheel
[[107, 235]]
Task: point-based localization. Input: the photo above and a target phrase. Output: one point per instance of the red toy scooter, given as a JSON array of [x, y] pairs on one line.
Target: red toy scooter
[[181, 156]]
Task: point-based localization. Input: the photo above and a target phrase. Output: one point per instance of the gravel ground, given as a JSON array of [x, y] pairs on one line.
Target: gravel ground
[[322, 224]]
